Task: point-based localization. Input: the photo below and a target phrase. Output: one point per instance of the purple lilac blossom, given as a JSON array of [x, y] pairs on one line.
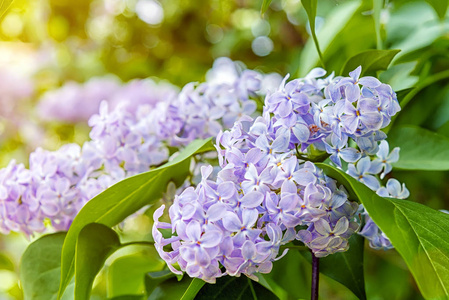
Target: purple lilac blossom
[[76, 102], [130, 133], [265, 189]]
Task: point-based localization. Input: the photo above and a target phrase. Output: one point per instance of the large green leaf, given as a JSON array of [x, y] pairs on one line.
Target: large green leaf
[[421, 149], [335, 22], [170, 289], [96, 242], [236, 288], [420, 234], [310, 6], [193, 289], [40, 268], [370, 60], [440, 7], [126, 274], [124, 198], [153, 279]]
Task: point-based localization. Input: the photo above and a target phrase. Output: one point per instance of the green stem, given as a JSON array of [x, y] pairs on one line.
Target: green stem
[[317, 46]]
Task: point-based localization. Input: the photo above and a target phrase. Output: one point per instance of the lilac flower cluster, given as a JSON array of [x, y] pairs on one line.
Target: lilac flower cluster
[[126, 140], [268, 192], [241, 226], [76, 102]]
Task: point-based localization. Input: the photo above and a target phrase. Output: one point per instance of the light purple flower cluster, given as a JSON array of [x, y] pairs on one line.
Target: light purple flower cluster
[[242, 226], [268, 193], [76, 102], [126, 140]]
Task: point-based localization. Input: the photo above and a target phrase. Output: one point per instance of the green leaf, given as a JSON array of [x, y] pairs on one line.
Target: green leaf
[[96, 242], [335, 23], [126, 274], [153, 279], [40, 268], [370, 60], [236, 288], [440, 7], [347, 267], [6, 263], [124, 198], [292, 275], [170, 289], [128, 297], [420, 234], [4, 5], [310, 6], [193, 289], [265, 5], [421, 149]]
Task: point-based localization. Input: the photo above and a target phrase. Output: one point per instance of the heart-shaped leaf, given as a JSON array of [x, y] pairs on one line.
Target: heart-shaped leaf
[[40, 268]]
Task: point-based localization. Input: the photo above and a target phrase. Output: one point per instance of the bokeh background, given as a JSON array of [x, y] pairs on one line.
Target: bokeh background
[[59, 55]]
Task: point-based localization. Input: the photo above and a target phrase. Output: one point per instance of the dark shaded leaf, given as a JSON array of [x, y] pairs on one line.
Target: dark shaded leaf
[[236, 288], [193, 289], [370, 60], [420, 234], [153, 279], [170, 289], [347, 267]]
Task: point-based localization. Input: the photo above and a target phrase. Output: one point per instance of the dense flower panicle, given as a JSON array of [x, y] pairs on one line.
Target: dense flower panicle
[[130, 133], [267, 194]]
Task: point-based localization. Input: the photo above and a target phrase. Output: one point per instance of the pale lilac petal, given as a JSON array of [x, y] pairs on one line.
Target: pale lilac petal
[[248, 250], [252, 199], [322, 227], [211, 239], [341, 226], [350, 155], [369, 81]]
